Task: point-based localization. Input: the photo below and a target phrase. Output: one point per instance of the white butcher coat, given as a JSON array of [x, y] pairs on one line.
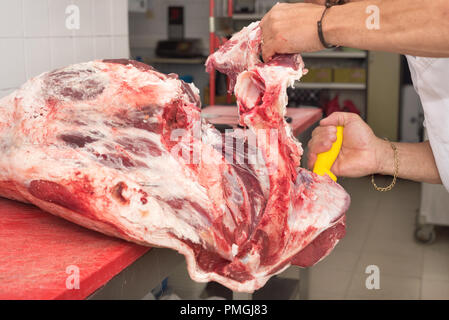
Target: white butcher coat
[[431, 81]]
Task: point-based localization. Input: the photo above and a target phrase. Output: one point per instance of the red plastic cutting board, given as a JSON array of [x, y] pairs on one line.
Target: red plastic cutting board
[[36, 248]]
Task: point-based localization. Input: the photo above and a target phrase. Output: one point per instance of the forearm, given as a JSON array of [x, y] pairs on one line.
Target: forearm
[[416, 161], [412, 27]]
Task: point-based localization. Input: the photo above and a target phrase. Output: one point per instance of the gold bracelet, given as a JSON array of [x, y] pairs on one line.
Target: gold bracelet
[[395, 174]]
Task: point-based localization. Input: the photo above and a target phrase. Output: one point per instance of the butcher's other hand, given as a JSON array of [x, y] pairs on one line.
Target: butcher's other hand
[[360, 153], [290, 28]]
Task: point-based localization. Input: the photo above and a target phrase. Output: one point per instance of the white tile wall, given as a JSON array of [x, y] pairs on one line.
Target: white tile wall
[[34, 37], [56, 9], [11, 63], [119, 25], [11, 18], [62, 52], [84, 49], [102, 17], [103, 48], [86, 17], [120, 46], [36, 18], [4, 93], [37, 56]]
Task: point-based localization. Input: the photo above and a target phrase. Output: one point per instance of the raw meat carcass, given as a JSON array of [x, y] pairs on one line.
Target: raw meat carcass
[[120, 148], [261, 92]]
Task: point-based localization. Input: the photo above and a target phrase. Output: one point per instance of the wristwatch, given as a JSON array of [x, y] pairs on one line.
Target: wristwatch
[[328, 4], [335, 2]]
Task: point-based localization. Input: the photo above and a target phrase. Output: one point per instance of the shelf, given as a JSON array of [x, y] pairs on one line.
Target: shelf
[[336, 54], [330, 85], [247, 16], [176, 60]]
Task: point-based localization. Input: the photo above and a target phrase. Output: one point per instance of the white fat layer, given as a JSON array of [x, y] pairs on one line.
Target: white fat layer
[[235, 249]]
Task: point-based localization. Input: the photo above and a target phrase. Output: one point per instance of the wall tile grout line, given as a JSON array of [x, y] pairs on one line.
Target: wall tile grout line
[[25, 64]]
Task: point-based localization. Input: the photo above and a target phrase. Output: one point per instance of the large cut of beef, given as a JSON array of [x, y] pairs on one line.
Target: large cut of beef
[[120, 148], [304, 213]]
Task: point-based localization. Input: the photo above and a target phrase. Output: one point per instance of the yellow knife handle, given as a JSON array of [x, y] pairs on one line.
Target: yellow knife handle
[[326, 159]]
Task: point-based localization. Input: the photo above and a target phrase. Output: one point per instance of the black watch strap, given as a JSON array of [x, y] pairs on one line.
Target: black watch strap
[[328, 4], [335, 2]]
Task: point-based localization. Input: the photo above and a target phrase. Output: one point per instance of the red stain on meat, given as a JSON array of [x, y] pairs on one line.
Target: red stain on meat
[[76, 140], [77, 85], [140, 146], [117, 192], [60, 195]]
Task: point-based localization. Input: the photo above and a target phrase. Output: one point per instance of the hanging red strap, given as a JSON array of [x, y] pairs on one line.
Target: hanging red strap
[[212, 44], [229, 94]]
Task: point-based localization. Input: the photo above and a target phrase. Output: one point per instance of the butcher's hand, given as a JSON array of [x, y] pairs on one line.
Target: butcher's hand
[[360, 151], [291, 28]]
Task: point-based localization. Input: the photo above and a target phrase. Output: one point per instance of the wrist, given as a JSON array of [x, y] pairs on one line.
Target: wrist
[[384, 157], [333, 25]]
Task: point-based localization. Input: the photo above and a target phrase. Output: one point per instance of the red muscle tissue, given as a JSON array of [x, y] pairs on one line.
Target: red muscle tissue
[[120, 148]]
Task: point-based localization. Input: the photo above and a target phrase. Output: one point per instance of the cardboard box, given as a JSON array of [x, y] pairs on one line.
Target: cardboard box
[[350, 75], [318, 75]]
